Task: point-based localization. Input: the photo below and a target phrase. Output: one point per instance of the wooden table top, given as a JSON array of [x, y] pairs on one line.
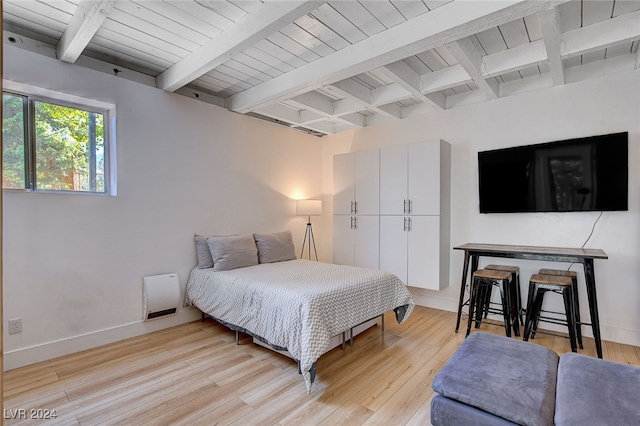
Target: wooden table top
[[535, 250]]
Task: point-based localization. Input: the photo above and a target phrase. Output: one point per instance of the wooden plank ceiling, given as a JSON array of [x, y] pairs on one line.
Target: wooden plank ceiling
[[326, 67]]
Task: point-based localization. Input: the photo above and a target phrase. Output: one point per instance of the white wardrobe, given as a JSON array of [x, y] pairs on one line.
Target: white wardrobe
[[356, 208], [407, 231]]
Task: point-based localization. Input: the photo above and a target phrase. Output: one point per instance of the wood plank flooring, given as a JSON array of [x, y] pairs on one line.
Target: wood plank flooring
[[196, 374]]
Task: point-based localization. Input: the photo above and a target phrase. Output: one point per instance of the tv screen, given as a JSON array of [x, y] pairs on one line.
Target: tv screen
[[585, 174]]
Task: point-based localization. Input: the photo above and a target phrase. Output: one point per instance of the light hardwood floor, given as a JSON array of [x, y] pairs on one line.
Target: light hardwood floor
[[196, 374]]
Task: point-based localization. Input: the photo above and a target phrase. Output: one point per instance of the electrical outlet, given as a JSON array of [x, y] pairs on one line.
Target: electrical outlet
[[15, 326]]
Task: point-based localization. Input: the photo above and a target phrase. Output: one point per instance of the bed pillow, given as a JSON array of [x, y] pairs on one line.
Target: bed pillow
[[233, 252], [276, 247], [203, 253]]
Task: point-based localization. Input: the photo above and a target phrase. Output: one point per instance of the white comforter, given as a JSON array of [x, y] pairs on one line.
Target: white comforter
[[298, 304]]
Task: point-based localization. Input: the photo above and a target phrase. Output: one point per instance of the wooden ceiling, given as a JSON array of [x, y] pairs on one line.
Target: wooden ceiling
[[326, 67]]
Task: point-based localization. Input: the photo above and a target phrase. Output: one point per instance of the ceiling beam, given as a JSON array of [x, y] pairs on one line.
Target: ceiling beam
[[266, 19], [524, 85], [360, 94], [309, 117], [389, 93], [356, 120], [535, 53], [471, 60], [281, 113], [313, 102], [297, 118], [323, 127], [315, 113], [84, 23], [516, 58], [452, 21], [374, 119], [597, 69], [601, 35], [390, 110], [322, 106], [552, 36], [571, 43], [351, 90], [404, 75], [346, 106], [444, 79]]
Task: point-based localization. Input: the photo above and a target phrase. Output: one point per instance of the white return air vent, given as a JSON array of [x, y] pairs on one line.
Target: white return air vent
[[160, 295]]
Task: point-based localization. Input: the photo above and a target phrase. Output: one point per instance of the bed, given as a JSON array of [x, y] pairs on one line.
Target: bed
[[297, 305]]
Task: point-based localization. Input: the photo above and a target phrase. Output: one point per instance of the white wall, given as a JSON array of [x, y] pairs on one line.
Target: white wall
[[606, 105], [73, 264]]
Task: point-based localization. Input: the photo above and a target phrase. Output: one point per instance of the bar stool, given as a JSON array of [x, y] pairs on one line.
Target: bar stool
[[516, 298], [482, 282], [540, 284], [576, 302]]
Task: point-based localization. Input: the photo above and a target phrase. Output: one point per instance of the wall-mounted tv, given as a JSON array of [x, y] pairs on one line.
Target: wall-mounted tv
[[584, 174]]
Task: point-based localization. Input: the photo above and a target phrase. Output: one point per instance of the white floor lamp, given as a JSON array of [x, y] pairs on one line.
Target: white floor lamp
[[309, 208]]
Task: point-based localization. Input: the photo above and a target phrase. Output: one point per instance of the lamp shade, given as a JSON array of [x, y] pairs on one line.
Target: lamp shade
[[309, 207]]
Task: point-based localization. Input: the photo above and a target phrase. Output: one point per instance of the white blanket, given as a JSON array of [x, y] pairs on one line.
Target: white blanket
[[298, 304]]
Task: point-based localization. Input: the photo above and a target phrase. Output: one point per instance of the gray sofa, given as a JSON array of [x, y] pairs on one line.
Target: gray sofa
[[495, 380]]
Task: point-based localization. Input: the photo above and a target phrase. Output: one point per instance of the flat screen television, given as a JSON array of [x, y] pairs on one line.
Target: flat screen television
[[584, 174]]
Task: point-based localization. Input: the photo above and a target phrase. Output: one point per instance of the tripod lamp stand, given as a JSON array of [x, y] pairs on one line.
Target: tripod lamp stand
[[309, 208]]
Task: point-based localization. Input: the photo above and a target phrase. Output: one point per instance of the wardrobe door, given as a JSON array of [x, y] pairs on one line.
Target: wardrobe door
[[393, 180], [343, 184], [343, 240]]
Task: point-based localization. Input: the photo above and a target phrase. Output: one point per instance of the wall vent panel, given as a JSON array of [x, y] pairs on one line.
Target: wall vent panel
[[161, 294]]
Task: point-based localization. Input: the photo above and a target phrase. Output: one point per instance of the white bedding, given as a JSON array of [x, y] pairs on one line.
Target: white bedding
[[298, 304]]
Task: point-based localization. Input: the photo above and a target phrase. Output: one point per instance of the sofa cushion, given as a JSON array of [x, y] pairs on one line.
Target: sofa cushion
[[594, 391], [447, 412], [509, 378]]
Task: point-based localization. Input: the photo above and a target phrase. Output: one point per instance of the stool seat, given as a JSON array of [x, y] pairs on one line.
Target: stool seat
[[512, 269], [551, 280], [558, 272], [492, 275]]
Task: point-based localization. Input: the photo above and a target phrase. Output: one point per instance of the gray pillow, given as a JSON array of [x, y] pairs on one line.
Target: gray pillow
[[276, 247], [203, 253], [233, 252]]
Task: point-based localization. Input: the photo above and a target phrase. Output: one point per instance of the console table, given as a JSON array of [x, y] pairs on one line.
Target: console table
[[473, 251]]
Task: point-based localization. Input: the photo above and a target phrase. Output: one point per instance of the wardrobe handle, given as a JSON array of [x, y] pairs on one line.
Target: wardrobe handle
[[409, 224], [405, 207], [355, 221], [410, 206], [351, 222], [355, 210], [405, 224], [352, 207]]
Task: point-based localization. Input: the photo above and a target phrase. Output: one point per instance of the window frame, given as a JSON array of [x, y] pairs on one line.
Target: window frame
[[32, 94]]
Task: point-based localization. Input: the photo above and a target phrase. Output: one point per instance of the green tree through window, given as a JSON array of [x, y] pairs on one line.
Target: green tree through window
[[13, 136], [66, 145]]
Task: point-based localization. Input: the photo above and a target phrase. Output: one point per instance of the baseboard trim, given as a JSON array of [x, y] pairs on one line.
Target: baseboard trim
[[608, 333], [434, 302], [50, 350]]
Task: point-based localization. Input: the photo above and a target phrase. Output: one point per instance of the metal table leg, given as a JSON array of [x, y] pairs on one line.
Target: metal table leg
[[590, 280]]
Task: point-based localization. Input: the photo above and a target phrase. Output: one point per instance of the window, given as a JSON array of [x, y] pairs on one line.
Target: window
[[55, 145], [13, 136]]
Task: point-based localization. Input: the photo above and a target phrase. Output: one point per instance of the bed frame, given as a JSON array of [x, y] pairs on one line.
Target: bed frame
[[340, 339]]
